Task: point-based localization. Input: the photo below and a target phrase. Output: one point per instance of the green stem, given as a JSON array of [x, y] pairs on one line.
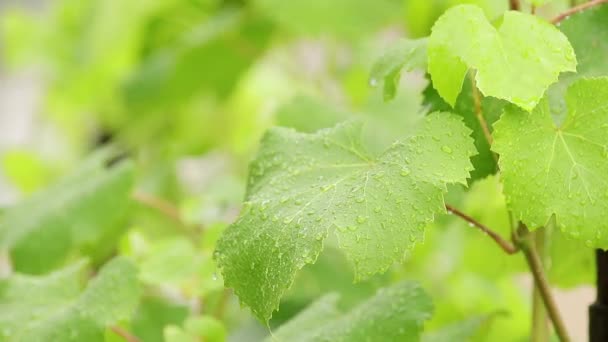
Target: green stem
[[576, 9], [505, 245], [522, 239], [540, 326]]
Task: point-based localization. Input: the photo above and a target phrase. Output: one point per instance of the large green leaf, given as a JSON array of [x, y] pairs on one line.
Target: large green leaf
[[396, 313], [516, 62], [551, 168], [53, 308], [301, 186], [81, 212]]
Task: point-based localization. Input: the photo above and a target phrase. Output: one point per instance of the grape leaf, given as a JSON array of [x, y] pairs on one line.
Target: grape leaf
[[321, 311], [197, 328], [52, 308], [344, 18], [395, 313], [308, 114], [404, 54], [81, 212], [565, 254], [302, 185], [585, 31], [551, 168], [153, 314], [466, 106], [460, 331], [524, 51]]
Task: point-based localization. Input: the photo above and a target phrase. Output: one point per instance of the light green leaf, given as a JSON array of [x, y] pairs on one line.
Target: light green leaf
[[345, 18], [205, 328], [586, 31], [466, 105], [170, 261], [459, 332], [404, 54], [301, 186], [320, 312], [153, 314], [538, 3], [564, 254], [516, 62], [396, 313], [307, 114], [551, 168], [81, 212], [52, 308]]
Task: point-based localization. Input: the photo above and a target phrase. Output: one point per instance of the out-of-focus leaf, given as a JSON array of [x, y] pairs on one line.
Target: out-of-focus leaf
[[209, 57], [395, 313], [463, 331], [25, 170], [345, 18], [153, 314], [195, 329], [404, 55], [81, 212], [585, 31], [320, 312], [53, 308], [306, 114]]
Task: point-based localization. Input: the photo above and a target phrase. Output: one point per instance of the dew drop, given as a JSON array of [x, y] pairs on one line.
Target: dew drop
[[361, 219], [446, 149]]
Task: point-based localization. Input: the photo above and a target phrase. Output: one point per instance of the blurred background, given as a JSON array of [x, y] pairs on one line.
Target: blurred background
[[185, 89]]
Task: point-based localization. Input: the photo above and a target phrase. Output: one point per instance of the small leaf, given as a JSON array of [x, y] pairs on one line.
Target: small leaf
[[50, 308], [396, 313], [516, 62], [466, 105], [404, 54], [551, 168], [302, 186]]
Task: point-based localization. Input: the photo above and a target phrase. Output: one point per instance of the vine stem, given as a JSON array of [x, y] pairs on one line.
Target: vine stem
[[479, 114], [159, 204], [167, 209], [577, 9], [502, 243], [540, 326], [127, 336], [522, 240]]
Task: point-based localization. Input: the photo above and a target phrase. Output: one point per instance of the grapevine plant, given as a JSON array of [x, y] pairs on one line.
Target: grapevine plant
[[550, 158], [507, 134]]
